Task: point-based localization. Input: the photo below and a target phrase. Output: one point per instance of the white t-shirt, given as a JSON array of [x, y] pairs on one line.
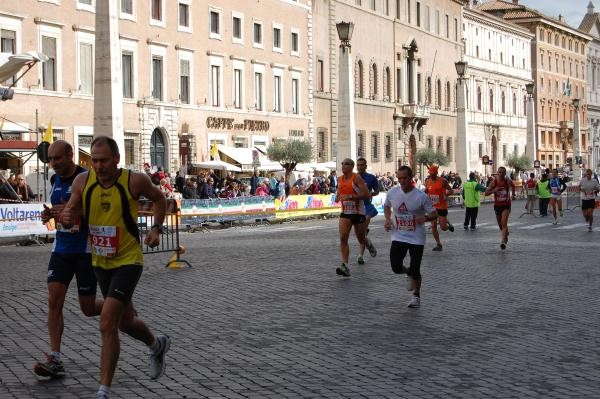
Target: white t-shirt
[[588, 187], [405, 208]]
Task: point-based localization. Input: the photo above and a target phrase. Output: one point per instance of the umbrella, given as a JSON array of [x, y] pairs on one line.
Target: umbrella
[[11, 64], [217, 164]]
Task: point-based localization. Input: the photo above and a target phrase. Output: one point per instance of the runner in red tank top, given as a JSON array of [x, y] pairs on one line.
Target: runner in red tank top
[[531, 193], [351, 192], [500, 187], [437, 188]]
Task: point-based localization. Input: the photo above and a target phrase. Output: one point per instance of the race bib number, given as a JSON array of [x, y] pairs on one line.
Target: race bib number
[[104, 240], [349, 207], [554, 190], [405, 222], [435, 199], [501, 196], [588, 196], [531, 191]]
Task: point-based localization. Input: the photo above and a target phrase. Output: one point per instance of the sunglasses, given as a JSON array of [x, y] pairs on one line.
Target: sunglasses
[[346, 163]]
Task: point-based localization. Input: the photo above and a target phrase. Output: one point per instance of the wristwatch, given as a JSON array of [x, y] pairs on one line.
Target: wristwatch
[[157, 226]]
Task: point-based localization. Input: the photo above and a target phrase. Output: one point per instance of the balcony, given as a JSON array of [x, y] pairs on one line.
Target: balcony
[[566, 124], [416, 111]]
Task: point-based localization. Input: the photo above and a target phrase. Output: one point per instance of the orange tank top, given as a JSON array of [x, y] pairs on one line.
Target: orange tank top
[[437, 193], [347, 187]]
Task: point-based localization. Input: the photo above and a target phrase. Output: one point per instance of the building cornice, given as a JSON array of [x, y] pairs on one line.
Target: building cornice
[[497, 23], [545, 21]]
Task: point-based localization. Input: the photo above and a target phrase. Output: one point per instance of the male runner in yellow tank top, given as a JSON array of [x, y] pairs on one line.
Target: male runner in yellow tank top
[[107, 199]]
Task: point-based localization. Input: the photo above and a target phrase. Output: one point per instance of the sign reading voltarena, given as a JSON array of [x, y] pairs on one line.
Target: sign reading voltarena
[[22, 220]]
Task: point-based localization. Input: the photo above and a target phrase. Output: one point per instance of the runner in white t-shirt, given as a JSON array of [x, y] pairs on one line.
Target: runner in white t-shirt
[[589, 189], [411, 209]]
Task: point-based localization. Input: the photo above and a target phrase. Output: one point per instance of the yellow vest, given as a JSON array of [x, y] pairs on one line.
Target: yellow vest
[[113, 231]]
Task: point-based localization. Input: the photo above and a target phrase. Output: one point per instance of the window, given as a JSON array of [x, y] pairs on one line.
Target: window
[[449, 148], [374, 84], [127, 7], [455, 29], [294, 43], [388, 147], [156, 10], [360, 143], [448, 96], [437, 22], [157, 77], [491, 100], [129, 145], [49, 67], [215, 24], [398, 8], [427, 19], [418, 13], [277, 38], [373, 8], [480, 150], [543, 137], [387, 88], [408, 11], [215, 85], [258, 91], [8, 44], [477, 51], [447, 25], [320, 75], [516, 148], [184, 15], [86, 68], [490, 54], [398, 84], [276, 93], [257, 34], [514, 104], [321, 144], [127, 71], [504, 151], [375, 146], [236, 28], [438, 94], [295, 96], [237, 88], [503, 102], [360, 88], [87, 5], [184, 81], [479, 99]]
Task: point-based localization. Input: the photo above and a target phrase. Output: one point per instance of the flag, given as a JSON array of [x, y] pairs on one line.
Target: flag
[[48, 137], [214, 151]]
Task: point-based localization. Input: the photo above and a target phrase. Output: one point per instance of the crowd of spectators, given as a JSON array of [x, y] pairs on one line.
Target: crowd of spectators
[[15, 189]]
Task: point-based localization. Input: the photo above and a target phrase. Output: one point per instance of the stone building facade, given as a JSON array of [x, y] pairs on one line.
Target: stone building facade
[[193, 73], [498, 55]]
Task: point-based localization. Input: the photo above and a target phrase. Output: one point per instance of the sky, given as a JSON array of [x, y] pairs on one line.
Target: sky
[[573, 10]]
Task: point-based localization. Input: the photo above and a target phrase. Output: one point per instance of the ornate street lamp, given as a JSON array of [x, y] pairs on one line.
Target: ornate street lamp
[[345, 30], [461, 68], [530, 138]]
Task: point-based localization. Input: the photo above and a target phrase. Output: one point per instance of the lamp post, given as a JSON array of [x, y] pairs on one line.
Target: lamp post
[[531, 149], [462, 150], [576, 139], [346, 135]]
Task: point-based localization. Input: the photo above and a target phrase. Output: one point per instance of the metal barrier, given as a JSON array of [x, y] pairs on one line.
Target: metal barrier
[[573, 198], [531, 192], [169, 238]]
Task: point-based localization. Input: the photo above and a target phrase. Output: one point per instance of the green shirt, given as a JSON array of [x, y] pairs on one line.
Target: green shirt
[[470, 193], [543, 188]]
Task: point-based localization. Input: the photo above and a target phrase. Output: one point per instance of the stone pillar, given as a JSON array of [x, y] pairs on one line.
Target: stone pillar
[[531, 150], [108, 95], [577, 172], [346, 139], [462, 151]]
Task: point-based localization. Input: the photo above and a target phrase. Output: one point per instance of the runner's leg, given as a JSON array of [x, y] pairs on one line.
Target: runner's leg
[[363, 245], [345, 225], [504, 221], [110, 319], [56, 300], [435, 233]]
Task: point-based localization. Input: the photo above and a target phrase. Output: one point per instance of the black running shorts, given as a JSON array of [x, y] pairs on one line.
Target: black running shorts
[[120, 282], [62, 267], [501, 208], [398, 253], [442, 212], [356, 219], [588, 204]]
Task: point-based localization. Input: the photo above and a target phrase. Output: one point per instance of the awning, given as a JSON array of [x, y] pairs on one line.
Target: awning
[[11, 64], [11, 127], [243, 156], [17, 146], [218, 165]]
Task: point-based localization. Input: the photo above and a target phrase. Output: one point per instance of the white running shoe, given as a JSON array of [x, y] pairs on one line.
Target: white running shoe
[[415, 302], [157, 358]]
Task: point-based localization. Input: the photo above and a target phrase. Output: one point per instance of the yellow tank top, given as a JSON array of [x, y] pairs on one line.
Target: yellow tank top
[[113, 230]]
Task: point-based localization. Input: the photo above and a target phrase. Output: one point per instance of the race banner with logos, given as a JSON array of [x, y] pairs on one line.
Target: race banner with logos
[[23, 220], [197, 211], [306, 205]]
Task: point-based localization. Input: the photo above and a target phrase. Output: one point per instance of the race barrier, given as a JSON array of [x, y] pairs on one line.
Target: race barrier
[[23, 219], [573, 198], [306, 205], [198, 211], [169, 238]]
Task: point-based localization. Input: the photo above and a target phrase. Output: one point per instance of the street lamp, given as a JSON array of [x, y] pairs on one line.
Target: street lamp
[[576, 139], [530, 142], [346, 130], [462, 152]]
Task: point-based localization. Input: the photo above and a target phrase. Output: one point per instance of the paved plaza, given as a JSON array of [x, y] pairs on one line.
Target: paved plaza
[[262, 314]]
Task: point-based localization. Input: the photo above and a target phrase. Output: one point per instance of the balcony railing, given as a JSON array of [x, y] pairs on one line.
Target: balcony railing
[[415, 110]]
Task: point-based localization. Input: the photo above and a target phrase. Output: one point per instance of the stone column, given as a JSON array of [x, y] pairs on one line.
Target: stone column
[[577, 172], [346, 139], [531, 145], [108, 95], [462, 151]]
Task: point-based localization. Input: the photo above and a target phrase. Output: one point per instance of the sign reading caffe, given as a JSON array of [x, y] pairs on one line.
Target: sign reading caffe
[[231, 124]]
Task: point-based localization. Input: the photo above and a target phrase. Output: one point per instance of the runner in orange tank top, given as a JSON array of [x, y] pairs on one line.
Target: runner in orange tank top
[[351, 192], [438, 189]]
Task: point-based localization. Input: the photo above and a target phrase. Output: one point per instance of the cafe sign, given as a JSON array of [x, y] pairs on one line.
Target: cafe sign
[[231, 124]]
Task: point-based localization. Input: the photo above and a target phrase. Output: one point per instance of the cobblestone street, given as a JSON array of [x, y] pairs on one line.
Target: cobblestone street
[[262, 314]]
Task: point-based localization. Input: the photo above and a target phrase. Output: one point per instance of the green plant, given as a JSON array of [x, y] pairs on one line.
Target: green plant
[[519, 162], [290, 153]]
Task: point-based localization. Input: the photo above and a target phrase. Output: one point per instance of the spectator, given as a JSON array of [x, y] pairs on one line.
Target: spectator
[[23, 190], [166, 188], [7, 193], [179, 182], [314, 188], [263, 189], [190, 191], [254, 182], [301, 184], [283, 188], [207, 190], [333, 182]]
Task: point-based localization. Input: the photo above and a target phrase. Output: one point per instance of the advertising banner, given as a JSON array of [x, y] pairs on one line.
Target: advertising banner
[[306, 205], [23, 220], [197, 211]]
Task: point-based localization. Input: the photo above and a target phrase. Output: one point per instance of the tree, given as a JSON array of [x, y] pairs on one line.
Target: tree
[[519, 162], [290, 153], [427, 156]]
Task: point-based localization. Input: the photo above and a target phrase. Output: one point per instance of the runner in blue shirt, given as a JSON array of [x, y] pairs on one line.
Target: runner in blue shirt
[[373, 186], [557, 186], [70, 257]]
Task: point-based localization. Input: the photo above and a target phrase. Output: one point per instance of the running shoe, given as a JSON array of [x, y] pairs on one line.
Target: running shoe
[[360, 260], [590, 228], [450, 227], [371, 248], [415, 302], [473, 227], [503, 245], [157, 357], [555, 221], [51, 368], [102, 395], [437, 248], [466, 227], [343, 270]]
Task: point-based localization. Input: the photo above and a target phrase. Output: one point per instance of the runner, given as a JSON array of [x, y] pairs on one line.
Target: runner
[[531, 192], [411, 208], [107, 198], [589, 189], [500, 187], [470, 194], [70, 257], [438, 189], [351, 192], [371, 212], [557, 186]]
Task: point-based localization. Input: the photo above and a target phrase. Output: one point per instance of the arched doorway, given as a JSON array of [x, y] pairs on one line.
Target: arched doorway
[[494, 153], [158, 153]]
